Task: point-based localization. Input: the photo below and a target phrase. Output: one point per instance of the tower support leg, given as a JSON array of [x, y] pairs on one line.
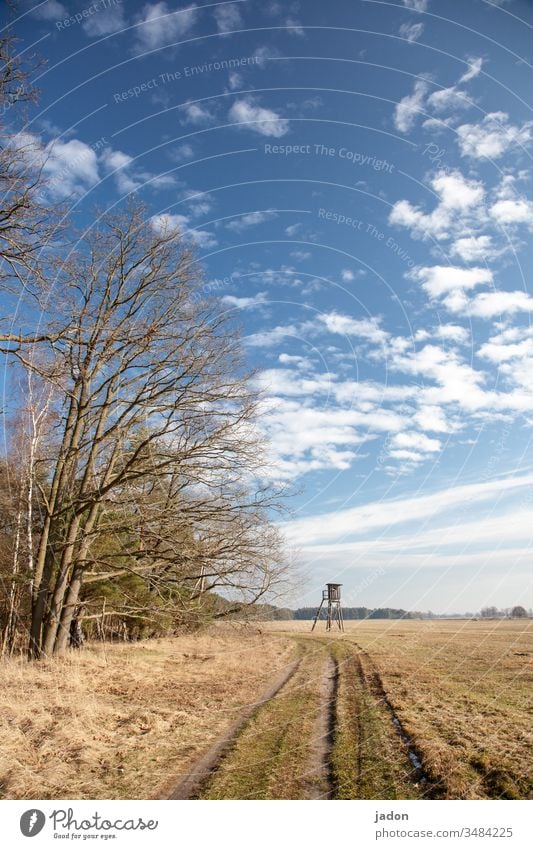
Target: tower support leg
[[317, 615]]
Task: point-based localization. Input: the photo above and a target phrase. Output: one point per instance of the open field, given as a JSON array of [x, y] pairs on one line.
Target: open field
[[117, 723], [389, 710]]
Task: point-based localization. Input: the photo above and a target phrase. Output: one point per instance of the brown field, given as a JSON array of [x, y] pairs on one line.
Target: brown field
[[389, 710]]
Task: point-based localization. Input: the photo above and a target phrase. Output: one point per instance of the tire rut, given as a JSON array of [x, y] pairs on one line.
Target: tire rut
[[191, 784], [318, 780], [371, 678]]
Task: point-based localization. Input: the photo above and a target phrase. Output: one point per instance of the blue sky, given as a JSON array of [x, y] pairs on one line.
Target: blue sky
[[356, 179]]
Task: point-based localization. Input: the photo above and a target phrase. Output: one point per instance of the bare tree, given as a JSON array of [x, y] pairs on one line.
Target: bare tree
[[19, 502], [155, 431], [29, 222]]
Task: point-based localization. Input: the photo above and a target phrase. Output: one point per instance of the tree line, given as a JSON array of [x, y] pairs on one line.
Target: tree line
[[132, 493]]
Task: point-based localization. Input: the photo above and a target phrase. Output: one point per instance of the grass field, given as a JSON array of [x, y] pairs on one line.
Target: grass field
[[389, 710]]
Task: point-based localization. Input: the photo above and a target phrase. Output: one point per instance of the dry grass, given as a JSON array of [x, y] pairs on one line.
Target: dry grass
[[462, 690], [124, 722], [120, 723]]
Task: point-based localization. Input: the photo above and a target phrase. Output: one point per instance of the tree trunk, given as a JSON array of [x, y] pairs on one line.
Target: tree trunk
[[69, 614]]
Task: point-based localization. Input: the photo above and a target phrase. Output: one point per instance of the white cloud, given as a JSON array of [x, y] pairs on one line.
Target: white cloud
[[445, 99], [235, 80], [294, 27], [490, 304], [384, 514], [441, 280], [304, 438], [273, 336], [519, 211], [158, 25], [50, 10], [409, 107], [450, 284], [167, 223], [457, 192], [432, 418], [411, 32], [196, 114], [453, 333], [475, 65], [473, 248], [245, 303], [416, 442], [492, 137], [266, 122], [511, 344], [301, 256], [121, 166], [365, 328], [456, 381], [293, 229], [347, 275], [416, 5], [70, 168], [228, 18], [110, 19], [459, 207], [295, 360], [183, 151], [251, 219]]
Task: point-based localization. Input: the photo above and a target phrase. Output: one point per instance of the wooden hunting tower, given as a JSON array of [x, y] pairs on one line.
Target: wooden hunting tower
[[331, 595]]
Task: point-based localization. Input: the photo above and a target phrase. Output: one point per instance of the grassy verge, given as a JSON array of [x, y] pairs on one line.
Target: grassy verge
[[121, 722]]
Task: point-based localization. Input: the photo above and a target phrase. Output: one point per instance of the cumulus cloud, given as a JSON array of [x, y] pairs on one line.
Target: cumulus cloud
[[410, 107], [492, 137], [411, 32], [168, 223], [70, 168], [451, 285], [294, 27], [228, 18], [245, 303], [158, 25], [50, 10], [453, 333], [413, 446], [446, 99], [474, 69], [491, 304], [458, 207], [363, 328], [473, 248], [196, 114], [416, 5], [251, 219], [128, 178], [511, 344], [518, 211], [440, 280], [105, 21], [258, 119]]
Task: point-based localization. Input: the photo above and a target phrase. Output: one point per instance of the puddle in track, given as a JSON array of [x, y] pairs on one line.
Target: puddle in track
[[420, 775]]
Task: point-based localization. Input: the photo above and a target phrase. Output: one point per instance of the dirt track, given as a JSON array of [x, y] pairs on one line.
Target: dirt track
[[190, 785], [323, 729]]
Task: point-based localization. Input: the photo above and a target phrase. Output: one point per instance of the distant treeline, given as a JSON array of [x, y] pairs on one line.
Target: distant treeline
[[268, 612]]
